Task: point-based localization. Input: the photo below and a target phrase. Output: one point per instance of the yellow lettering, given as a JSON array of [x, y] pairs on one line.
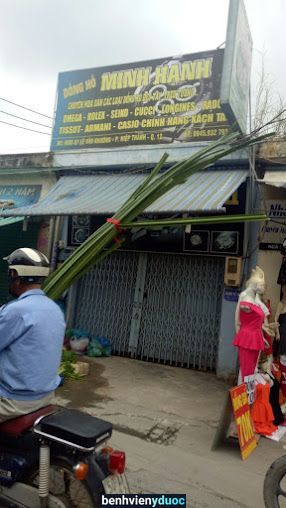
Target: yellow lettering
[[177, 108], [105, 139], [73, 90], [235, 404], [212, 104], [234, 201], [119, 113], [245, 427], [203, 118], [187, 71], [72, 118], [128, 124], [204, 68], [174, 74], [220, 117], [80, 104], [145, 110], [161, 74], [241, 434], [130, 78], [71, 129], [108, 81], [116, 101], [95, 115], [139, 137], [243, 395], [152, 122], [177, 120], [95, 127]]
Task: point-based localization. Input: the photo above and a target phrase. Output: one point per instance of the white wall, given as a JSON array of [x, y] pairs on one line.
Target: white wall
[[270, 263]]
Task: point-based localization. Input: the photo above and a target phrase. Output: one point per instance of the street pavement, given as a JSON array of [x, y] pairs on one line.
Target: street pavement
[[165, 419]]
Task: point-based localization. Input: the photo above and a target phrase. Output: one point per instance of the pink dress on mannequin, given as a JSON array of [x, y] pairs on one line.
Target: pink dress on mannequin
[[249, 339]]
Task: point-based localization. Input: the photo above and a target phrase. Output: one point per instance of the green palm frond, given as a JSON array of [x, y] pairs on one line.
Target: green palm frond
[[101, 243]]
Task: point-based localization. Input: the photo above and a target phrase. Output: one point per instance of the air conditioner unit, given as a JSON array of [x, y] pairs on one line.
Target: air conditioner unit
[[232, 271]]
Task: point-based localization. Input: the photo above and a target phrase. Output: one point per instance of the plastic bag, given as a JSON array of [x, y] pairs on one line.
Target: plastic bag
[[78, 340], [99, 346]]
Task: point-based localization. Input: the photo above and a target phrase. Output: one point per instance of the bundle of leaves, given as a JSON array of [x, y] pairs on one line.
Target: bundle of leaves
[[67, 370], [101, 243]]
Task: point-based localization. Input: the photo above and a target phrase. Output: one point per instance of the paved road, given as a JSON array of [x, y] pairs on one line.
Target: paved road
[[165, 418]]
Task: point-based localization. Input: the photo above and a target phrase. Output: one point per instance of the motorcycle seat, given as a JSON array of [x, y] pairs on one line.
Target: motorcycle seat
[[75, 427], [16, 426]]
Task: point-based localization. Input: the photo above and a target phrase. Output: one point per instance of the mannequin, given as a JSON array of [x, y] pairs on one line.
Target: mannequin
[[268, 329], [249, 317]]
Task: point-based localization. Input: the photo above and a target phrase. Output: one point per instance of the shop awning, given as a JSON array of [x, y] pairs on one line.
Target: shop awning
[[275, 178], [6, 221], [205, 191]]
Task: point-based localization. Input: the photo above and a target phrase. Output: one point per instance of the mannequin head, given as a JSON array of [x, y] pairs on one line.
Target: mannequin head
[[256, 282], [265, 362]]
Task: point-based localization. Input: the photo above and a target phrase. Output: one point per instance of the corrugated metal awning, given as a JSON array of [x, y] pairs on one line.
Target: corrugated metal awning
[[205, 191], [275, 178], [6, 221]]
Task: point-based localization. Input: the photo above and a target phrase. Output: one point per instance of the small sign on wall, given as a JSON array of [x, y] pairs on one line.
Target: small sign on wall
[[273, 232], [231, 294]]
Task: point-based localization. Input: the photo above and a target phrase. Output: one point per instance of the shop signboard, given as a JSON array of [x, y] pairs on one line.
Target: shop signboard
[[163, 101], [246, 436], [14, 196], [237, 66], [273, 232]]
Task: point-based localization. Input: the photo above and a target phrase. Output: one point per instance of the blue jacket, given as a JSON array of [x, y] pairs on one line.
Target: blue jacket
[[31, 338]]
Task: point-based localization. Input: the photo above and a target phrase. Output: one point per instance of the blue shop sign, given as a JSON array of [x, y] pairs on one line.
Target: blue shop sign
[[231, 295], [14, 196]]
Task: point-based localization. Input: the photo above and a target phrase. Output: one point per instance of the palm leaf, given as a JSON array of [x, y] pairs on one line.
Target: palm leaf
[[101, 243]]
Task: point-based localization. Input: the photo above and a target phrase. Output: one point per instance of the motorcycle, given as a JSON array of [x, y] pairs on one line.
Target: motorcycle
[[58, 458], [274, 487]]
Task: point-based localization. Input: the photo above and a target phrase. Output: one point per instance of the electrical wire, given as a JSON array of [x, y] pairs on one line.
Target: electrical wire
[[24, 107], [25, 119], [25, 128]]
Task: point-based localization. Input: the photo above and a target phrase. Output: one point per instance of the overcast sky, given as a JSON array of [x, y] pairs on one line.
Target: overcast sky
[[40, 38]]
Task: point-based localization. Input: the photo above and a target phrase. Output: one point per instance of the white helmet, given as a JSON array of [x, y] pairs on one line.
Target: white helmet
[[30, 264]]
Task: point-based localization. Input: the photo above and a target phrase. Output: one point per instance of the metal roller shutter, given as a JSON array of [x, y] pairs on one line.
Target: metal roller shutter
[[156, 307]]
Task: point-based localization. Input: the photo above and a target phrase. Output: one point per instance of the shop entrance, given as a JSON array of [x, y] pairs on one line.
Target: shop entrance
[[156, 307]]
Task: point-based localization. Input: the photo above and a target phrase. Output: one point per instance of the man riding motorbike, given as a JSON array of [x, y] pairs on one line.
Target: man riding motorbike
[[32, 331]]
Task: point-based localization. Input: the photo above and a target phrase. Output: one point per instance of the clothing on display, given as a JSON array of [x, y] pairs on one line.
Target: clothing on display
[[282, 332], [250, 335], [249, 338], [248, 359], [254, 340], [274, 401], [282, 272], [261, 412], [283, 375]]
